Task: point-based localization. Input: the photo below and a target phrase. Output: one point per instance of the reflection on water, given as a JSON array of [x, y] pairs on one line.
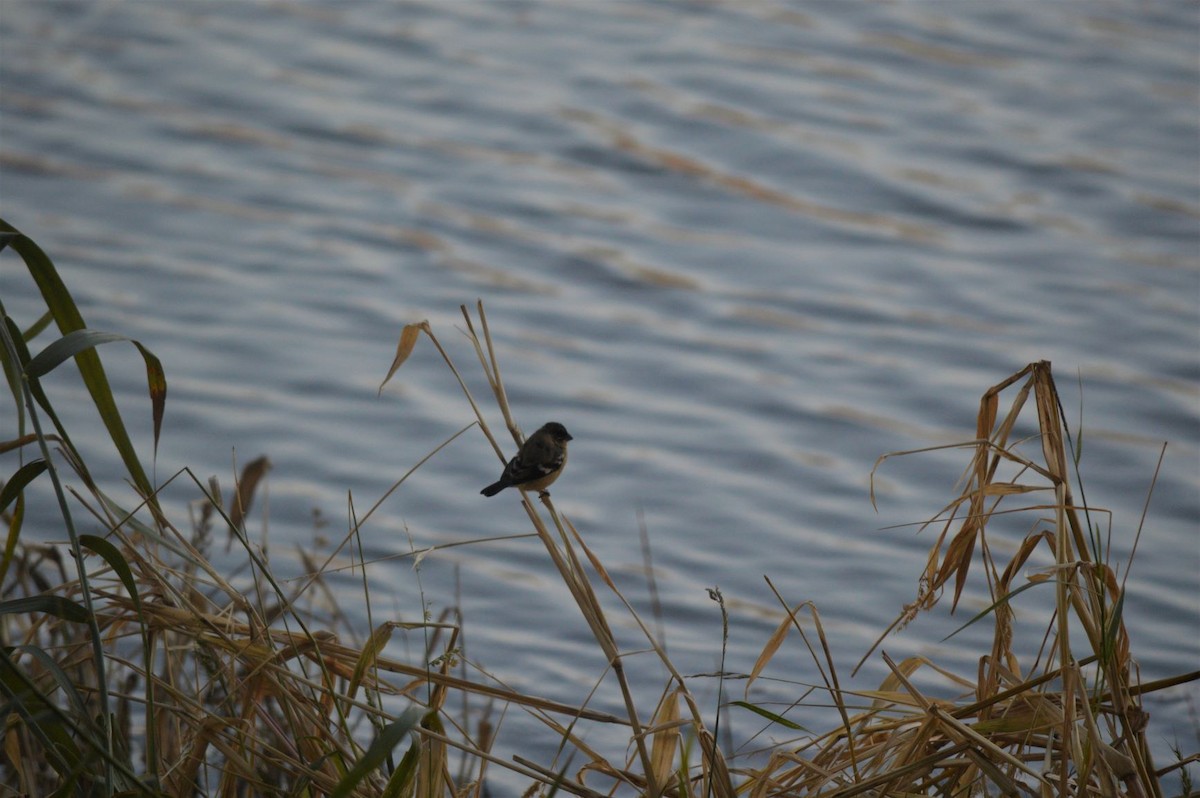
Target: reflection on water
[[740, 250]]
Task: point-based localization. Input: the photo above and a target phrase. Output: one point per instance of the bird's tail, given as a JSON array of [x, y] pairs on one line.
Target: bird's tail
[[494, 488]]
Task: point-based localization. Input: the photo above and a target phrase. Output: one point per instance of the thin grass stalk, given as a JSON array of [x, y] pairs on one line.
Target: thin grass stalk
[[463, 385], [147, 648], [1137, 537], [830, 678], [697, 716], [1101, 757], [1062, 605], [1115, 670], [654, 645], [357, 551], [556, 780], [577, 581], [494, 374], [475, 751]]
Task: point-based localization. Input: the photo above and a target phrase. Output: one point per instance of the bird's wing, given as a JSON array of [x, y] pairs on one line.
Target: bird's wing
[[520, 470]]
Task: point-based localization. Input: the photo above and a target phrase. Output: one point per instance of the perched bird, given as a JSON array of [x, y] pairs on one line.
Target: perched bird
[[539, 462]]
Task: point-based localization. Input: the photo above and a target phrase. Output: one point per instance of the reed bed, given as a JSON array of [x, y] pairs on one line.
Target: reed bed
[[131, 665]]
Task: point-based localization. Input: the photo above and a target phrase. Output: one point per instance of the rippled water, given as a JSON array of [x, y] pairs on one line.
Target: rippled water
[[739, 249]]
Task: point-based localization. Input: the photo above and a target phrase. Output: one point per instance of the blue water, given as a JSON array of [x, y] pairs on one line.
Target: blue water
[[740, 249]]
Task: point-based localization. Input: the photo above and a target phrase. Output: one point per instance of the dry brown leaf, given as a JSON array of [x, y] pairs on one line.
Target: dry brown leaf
[[243, 497], [1027, 547], [665, 740], [772, 646], [988, 406], [957, 560], [404, 348]]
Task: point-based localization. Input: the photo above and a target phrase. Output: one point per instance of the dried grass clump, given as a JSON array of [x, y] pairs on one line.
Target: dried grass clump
[[137, 667], [1069, 722]]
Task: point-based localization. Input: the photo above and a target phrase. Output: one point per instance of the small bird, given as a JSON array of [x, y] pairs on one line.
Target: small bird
[[539, 462]]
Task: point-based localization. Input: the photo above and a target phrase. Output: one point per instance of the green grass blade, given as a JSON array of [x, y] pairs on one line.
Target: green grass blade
[[57, 606], [1012, 594], [771, 716], [68, 346], [68, 318], [17, 482], [12, 367], [377, 754], [118, 563], [16, 350], [77, 701]]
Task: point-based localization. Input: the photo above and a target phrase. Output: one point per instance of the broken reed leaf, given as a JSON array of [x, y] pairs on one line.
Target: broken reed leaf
[[957, 560], [156, 382], [243, 496], [61, 306], [988, 407], [404, 348], [1024, 551], [38, 327], [15, 522]]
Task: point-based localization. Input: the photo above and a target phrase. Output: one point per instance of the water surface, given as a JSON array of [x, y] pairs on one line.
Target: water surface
[[740, 249]]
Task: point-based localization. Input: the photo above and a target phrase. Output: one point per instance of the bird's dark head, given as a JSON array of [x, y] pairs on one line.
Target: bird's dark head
[[557, 431]]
